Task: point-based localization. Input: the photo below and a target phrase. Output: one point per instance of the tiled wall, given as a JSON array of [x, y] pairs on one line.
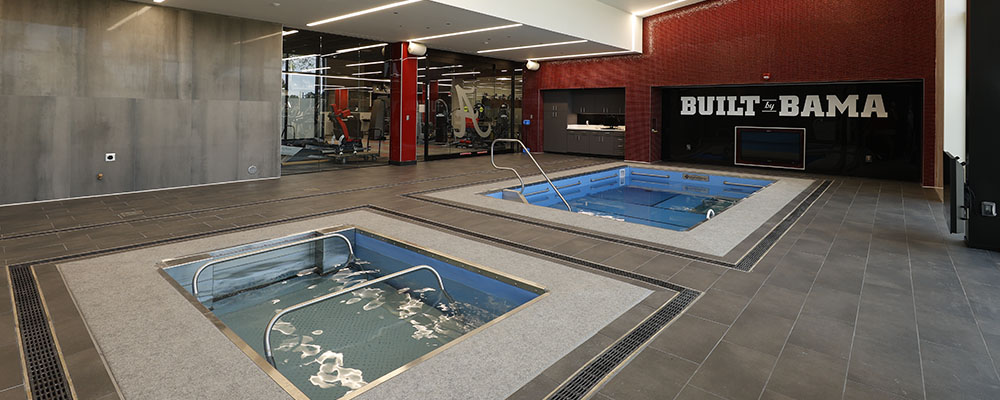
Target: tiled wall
[[736, 41], [183, 98]]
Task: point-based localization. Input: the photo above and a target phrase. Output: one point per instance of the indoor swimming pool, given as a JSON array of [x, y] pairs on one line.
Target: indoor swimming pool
[[666, 199], [337, 311]]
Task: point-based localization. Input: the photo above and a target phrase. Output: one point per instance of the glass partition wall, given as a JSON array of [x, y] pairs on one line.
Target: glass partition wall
[[337, 103], [471, 101]]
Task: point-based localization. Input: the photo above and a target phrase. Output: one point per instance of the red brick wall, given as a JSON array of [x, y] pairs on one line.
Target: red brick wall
[[735, 41]]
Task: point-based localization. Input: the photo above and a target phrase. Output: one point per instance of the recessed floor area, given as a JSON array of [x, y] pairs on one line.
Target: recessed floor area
[[864, 297]]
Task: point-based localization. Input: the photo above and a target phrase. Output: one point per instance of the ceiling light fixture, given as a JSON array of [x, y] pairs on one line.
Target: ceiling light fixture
[[532, 46], [298, 57], [466, 32], [362, 12], [461, 73], [341, 51], [445, 67], [314, 69], [365, 63], [607, 53], [659, 7], [367, 73], [350, 78], [291, 32]]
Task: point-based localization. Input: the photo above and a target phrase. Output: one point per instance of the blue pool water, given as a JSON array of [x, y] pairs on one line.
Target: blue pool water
[[665, 199], [333, 348]]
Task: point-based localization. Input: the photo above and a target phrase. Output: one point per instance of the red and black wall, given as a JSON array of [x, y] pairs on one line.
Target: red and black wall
[[736, 42]]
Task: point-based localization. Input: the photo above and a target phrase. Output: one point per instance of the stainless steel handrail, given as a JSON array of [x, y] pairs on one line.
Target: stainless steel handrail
[[492, 152], [274, 320], [194, 281]]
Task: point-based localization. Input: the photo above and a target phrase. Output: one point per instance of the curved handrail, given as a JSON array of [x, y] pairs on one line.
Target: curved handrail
[[492, 145], [194, 281], [270, 324]]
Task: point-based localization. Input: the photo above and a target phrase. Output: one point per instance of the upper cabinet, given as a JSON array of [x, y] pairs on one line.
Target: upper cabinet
[[598, 101]]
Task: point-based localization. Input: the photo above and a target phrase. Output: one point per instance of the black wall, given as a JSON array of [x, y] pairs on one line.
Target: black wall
[[982, 129], [874, 147]]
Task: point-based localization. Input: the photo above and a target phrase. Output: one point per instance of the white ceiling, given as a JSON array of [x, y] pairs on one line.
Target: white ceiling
[[637, 6], [421, 19]]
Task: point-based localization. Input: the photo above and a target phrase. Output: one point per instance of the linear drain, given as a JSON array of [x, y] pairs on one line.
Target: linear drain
[[592, 374], [745, 263], [46, 377]]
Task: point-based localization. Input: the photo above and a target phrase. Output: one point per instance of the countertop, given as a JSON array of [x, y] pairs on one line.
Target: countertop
[[595, 128]]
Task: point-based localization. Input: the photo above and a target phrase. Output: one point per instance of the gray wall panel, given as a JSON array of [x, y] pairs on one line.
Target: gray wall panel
[[38, 54], [183, 98], [254, 149], [163, 143], [216, 58], [101, 126], [215, 123], [260, 73], [25, 131]]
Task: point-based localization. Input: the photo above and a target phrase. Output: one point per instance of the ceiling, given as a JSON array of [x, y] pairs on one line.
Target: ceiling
[[639, 6], [402, 23]]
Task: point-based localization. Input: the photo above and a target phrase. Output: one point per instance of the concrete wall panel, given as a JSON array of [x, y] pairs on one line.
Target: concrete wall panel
[[182, 98]]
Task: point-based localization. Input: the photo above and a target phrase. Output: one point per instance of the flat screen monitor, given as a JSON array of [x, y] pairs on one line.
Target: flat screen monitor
[[771, 147]]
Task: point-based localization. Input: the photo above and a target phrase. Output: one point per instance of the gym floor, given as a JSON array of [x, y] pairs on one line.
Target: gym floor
[[866, 296]]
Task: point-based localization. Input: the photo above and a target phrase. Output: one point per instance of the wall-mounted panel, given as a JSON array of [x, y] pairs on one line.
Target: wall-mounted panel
[[159, 87]]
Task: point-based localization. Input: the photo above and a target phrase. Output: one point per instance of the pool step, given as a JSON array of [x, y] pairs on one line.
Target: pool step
[[514, 195]]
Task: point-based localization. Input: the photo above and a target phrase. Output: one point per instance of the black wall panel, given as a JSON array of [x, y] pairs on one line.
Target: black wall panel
[[884, 142]]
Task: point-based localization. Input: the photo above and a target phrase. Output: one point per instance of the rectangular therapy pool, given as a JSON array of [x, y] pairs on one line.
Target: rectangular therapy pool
[[334, 324], [661, 198]]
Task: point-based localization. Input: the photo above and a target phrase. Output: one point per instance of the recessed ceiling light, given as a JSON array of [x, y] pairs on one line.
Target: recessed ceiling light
[[532, 46], [158, 1], [607, 53], [298, 57], [362, 12], [661, 6], [361, 48], [466, 32]]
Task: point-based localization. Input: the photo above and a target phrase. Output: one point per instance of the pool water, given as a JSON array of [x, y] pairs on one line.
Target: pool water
[[335, 347], [659, 198]]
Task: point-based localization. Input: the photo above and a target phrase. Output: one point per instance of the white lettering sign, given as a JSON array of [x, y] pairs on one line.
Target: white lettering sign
[[788, 106]]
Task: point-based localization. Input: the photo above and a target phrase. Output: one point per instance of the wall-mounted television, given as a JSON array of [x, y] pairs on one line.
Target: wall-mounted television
[[771, 147]]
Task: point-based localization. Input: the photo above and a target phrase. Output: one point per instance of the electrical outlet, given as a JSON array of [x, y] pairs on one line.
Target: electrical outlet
[[110, 157], [989, 209]]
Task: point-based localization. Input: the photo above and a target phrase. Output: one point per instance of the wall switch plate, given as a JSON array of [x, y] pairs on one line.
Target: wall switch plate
[[110, 157], [989, 209]]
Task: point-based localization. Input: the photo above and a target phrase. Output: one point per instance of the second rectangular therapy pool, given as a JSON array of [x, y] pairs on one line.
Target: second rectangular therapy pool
[[660, 198]]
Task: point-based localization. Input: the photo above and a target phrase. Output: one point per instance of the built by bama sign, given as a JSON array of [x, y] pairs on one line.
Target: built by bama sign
[[852, 106]]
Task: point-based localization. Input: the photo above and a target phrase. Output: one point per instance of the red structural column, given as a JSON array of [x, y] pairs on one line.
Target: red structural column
[[403, 125]]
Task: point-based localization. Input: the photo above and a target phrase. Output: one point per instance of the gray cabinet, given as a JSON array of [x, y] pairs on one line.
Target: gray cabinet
[[556, 105], [607, 144], [579, 142], [598, 101]]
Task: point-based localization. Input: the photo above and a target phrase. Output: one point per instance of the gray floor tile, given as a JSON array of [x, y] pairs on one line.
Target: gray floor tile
[[693, 393], [760, 331], [719, 306], [690, 337], [895, 369], [734, 372], [651, 375], [951, 373], [823, 334], [778, 301], [808, 374]]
